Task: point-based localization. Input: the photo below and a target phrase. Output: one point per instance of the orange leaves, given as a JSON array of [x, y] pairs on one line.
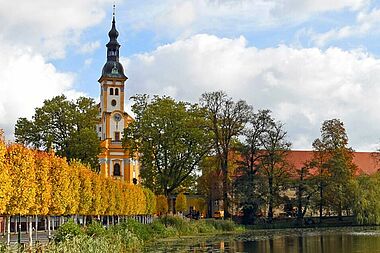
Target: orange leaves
[[39, 183], [5, 178], [22, 171]]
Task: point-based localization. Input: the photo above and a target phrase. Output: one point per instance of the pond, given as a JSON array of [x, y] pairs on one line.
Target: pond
[[329, 240]]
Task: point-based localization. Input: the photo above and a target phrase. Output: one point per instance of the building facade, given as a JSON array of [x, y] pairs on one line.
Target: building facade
[[114, 160]]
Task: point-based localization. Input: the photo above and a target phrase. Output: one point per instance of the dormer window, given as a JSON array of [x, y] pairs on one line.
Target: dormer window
[[111, 91]]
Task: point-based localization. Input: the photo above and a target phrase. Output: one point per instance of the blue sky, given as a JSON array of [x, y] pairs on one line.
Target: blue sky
[[305, 60]]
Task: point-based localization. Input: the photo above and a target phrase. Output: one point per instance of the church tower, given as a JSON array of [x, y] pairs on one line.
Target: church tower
[[114, 160]]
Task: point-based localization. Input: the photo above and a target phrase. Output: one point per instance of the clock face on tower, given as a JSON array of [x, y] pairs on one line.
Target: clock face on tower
[[117, 117]]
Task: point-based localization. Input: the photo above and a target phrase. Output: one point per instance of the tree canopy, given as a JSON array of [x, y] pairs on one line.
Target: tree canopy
[[171, 138], [67, 127]]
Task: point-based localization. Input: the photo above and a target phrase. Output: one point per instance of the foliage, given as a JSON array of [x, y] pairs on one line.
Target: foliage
[[38, 183], [226, 120], [66, 126], [67, 231], [366, 200], [335, 168], [263, 167], [150, 201], [95, 229], [171, 137], [22, 171], [6, 181], [85, 189], [181, 203], [43, 183], [162, 204], [60, 180]]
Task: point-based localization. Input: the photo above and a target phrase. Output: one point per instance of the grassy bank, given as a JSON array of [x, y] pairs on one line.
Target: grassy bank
[[126, 236]]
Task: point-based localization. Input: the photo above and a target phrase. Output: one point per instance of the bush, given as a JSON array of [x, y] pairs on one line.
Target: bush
[[159, 230], [87, 244], [96, 229], [129, 239], [140, 230], [67, 231]]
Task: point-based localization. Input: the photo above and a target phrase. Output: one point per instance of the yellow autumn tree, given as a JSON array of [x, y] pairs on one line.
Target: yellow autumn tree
[[139, 200], [150, 206], [181, 203], [74, 186], [161, 205], [60, 179], [105, 197], [22, 172], [119, 198], [111, 189], [5, 178], [85, 189], [43, 183], [96, 204]]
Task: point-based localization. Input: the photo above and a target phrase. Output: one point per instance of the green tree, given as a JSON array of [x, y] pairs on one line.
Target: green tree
[[162, 206], [273, 164], [227, 120], [334, 160], [66, 126], [171, 137], [181, 203], [366, 200]]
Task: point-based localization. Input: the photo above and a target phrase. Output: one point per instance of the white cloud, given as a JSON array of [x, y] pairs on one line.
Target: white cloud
[[89, 47], [302, 87], [48, 26], [181, 18], [366, 22], [26, 81]]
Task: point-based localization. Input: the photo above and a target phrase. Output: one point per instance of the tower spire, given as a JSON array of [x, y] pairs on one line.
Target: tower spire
[[113, 67]]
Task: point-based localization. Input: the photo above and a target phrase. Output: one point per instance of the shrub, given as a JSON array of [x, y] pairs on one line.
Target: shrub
[[96, 229], [161, 204], [67, 231]]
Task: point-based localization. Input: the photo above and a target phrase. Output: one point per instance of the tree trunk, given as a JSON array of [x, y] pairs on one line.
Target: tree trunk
[[320, 202], [30, 225], [226, 202], [8, 230], [270, 202], [49, 226], [36, 228]]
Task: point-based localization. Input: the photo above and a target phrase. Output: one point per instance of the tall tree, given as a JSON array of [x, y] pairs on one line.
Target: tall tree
[[66, 126], [274, 165], [6, 181], [249, 180], [334, 160], [227, 120], [171, 137]]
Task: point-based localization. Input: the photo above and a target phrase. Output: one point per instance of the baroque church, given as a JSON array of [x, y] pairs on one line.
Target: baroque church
[[114, 160]]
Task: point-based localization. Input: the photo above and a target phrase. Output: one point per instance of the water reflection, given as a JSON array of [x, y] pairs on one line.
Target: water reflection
[[346, 240]]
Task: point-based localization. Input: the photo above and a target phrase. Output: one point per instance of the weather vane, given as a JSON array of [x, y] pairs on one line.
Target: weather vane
[[113, 13]]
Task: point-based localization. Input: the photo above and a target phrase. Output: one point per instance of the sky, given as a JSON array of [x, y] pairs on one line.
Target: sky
[[305, 60]]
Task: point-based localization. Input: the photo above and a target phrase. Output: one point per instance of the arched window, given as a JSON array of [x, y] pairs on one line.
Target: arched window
[[116, 91], [116, 170], [111, 91]]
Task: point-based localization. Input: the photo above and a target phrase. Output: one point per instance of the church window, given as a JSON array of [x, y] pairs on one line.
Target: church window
[[116, 170], [116, 91], [113, 102], [111, 91], [117, 136]]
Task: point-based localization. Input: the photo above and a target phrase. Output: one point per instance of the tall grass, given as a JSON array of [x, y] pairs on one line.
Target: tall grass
[[124, 237]]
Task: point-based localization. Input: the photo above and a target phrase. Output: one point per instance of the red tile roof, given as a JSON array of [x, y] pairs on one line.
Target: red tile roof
[[366, 161]]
